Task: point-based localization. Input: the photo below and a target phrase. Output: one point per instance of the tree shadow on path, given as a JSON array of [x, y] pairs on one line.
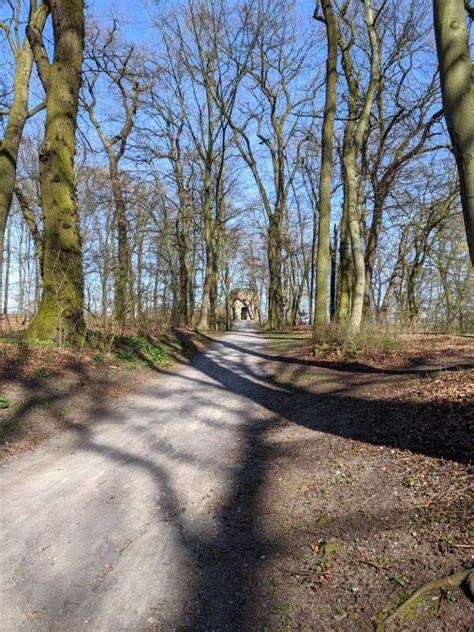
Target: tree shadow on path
[[228, 594]]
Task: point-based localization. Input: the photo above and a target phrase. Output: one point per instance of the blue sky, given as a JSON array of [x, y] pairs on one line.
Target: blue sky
[[134, 12]]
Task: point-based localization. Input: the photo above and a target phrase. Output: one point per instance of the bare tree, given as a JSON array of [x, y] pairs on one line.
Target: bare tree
[[114, 67]]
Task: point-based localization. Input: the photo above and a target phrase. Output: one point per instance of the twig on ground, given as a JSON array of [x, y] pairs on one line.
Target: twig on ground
[[378, 566]]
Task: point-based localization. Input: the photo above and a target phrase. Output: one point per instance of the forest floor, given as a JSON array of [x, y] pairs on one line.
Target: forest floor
[[264, 486]]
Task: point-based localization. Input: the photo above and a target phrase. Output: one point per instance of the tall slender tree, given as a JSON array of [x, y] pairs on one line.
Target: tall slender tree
[[322, 260], [18, 112], [355, 133]]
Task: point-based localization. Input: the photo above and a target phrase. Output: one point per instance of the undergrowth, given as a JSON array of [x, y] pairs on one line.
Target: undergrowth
[[139, 348], [369, 340]]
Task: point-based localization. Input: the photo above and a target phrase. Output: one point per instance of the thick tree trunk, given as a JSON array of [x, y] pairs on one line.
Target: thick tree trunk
[[412, 302], [60, 314], [457, 86], [322, 261], [312, 273]]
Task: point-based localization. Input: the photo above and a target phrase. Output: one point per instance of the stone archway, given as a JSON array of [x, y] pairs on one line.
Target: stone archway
[[244, 304]]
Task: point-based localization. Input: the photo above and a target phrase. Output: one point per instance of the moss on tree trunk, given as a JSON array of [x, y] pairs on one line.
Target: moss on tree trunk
[[17, 117], [60, 314], [457, 85]]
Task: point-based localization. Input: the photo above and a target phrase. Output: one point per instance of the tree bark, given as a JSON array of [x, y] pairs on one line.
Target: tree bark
[[371, 248], [457, 87], [121, 298], [203, 322], [60, 314], [345, 259], [17, 118], [396, 274], [7, 272], [351, 152], [333, 286], [322, 260], [275, 292]]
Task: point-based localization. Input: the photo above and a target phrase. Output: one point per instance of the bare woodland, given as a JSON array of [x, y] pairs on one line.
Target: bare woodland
[[321, 156], [300, 175]]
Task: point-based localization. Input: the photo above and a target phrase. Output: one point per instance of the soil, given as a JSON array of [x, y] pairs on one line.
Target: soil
[[378, 500], [50, 390]]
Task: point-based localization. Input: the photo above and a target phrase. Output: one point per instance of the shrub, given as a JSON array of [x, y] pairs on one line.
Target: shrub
[[4, 403], [124, 354]]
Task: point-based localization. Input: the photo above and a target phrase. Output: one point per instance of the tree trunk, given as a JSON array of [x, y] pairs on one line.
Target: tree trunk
[[354, 135], [60, 314], [322, 261], [7, 272], [354, 232], [32, 225], [457, 86], [275, 292], [182, 309], [345, 258], [121, 299], [371, 249], [397, 270], [203, 322], [14, 128], [332, 293], [213, 295], [228, 307]]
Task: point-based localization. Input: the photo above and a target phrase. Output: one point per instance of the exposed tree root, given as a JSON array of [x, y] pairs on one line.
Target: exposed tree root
[[452, 581]]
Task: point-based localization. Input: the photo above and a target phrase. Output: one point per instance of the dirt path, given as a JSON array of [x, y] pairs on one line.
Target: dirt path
[[167, 514], [107, 531]]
